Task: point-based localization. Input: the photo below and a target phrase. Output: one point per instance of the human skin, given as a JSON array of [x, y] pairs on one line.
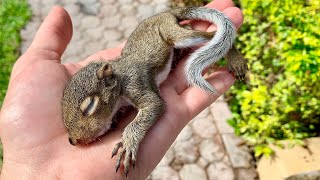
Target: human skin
[[35, 141]]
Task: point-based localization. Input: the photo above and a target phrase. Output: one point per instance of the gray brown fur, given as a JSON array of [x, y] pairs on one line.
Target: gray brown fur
[[95, 93]]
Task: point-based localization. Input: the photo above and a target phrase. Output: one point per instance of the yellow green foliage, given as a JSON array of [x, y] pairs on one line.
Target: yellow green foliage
[[281, 99]]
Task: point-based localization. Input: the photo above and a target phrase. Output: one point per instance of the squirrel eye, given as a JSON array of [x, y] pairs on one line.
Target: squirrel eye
[[89, 105]]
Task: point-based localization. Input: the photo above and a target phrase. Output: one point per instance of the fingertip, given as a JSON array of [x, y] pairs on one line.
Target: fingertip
[[221, 80], [59, 12], [220, 4], [236, 16], [227, 6], [104, 55], [72, 68], [121, 46], [67, 22], [56, 9], [55, 32]]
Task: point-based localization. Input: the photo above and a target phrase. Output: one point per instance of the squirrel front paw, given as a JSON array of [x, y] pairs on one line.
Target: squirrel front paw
[[127, 149]]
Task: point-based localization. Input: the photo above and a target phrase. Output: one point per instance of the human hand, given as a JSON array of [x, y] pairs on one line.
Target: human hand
[[35, 141]]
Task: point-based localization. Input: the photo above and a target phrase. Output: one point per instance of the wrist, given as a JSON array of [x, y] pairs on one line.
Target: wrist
[[13, 170]]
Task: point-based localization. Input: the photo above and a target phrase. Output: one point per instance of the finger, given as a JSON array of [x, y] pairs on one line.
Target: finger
[[104, 55], [179, 84], [235, 15], [221, 80], [165, 130], [121, 46], [72, 68], [176, 78], [54, 34], [220, 5], [50, 41]]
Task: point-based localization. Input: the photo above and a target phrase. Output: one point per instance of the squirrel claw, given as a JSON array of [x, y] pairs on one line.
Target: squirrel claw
[[127, 152], [240, 77], [119, 157], [126, 162], [126, 173], [116, 148], [117, 168]]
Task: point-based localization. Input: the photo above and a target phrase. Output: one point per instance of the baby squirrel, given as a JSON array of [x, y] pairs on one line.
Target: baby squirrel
[[94, 94]]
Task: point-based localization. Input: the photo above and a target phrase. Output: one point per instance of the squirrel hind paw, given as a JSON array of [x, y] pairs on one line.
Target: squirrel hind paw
[[239, 72]]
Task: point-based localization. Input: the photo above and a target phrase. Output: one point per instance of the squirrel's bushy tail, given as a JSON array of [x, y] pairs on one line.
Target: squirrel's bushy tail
[[214, 50]]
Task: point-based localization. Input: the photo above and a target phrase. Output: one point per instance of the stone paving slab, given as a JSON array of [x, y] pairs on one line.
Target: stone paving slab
[[221, 114], [292, 162], [207, 147]]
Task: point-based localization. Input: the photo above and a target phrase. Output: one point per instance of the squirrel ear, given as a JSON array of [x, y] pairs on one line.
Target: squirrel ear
[[104, 71]]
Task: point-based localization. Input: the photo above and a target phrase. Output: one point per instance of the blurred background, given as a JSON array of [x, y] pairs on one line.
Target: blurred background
[[274, 113]]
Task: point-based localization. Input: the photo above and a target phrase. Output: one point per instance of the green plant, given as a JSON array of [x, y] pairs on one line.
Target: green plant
[[281, 40], [13, 16]]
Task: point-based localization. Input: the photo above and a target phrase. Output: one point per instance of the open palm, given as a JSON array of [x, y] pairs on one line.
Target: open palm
[[34, 138]]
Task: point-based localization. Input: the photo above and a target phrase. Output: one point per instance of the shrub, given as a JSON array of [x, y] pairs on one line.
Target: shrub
[[281, 98], [13, 16]]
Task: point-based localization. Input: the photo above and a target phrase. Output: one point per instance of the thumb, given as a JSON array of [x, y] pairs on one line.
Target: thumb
[[54, 33], [50, 41]]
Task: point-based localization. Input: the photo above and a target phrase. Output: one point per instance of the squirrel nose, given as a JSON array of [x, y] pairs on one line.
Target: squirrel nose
[[73, 141]]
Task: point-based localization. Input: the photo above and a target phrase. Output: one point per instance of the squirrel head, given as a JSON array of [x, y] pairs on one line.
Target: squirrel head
[[89, 102]]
